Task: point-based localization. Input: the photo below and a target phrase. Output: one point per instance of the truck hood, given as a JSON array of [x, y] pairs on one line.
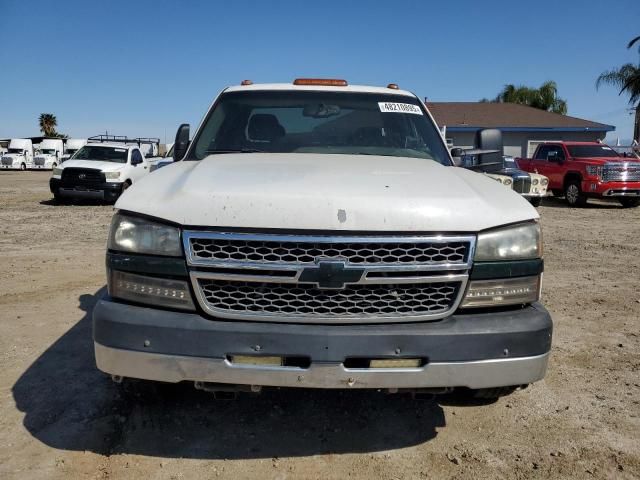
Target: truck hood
[[103, 166], [325, 192]]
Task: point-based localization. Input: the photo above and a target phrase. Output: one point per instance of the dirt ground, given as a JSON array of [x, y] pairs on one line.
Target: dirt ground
[[62, 418]]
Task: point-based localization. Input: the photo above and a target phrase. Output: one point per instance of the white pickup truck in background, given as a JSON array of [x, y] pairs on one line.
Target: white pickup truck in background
[[99, 171]]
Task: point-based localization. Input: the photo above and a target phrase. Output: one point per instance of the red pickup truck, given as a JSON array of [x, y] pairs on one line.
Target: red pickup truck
[[580, 170]]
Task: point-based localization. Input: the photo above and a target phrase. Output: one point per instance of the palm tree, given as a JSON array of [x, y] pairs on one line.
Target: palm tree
[[544, 98], [48, 124], [627, 79]]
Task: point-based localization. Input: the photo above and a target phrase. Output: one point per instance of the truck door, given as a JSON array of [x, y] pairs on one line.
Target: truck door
[[556, 167], [550, 169], [139, 166]]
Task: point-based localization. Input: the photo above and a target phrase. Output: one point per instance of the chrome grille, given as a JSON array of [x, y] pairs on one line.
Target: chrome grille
[[623, 172], [265, 250], [7, 161], [328, 279], [522, 185], [295, 300], [39, 161]]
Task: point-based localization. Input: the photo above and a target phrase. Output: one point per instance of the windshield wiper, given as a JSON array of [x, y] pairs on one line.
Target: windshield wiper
[[238, 150]]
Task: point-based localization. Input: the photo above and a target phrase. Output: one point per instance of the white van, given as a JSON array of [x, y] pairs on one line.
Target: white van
[[19, 155], [48, 156]]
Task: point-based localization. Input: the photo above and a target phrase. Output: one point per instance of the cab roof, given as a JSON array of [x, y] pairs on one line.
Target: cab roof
[[318, 88]]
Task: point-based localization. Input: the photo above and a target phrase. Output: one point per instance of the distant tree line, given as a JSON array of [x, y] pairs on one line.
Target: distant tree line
[[544, 98]]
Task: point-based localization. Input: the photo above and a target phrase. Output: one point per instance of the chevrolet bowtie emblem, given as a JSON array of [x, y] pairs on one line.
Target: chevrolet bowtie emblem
[[330, 274]]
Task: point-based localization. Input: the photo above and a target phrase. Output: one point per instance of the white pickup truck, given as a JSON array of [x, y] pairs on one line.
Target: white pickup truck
[[99, 171], [318, 235]]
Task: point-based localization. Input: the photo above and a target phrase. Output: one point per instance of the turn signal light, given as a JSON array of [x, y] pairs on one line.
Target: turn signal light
[[327, 82], [393, 86], [246, 82], [507, 291], [161, 292]]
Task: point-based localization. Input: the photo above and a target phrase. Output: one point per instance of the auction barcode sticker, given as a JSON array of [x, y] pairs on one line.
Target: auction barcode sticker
[[389, 107]]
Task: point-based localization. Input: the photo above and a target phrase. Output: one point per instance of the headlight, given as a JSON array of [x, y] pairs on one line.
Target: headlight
[[132, 234], [112, 175], [518, 242], [534, 181], [544, 181], [594, 170], [57, 172]]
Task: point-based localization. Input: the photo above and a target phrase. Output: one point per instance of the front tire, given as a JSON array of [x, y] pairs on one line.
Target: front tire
[[629, 202], [574, 195], [23, 166]]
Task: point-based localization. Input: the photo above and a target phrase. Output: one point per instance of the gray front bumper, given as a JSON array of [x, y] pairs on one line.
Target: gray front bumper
[[475, 350]]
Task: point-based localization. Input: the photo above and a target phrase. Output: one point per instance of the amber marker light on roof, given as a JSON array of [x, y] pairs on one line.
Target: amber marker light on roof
[[327, 82], [246, 82], [393, 86]]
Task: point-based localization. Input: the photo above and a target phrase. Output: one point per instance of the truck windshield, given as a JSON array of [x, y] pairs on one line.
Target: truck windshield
[[586, 151], [19, 151], [102, 154], [48, 151], [319, 122], [71, 151]]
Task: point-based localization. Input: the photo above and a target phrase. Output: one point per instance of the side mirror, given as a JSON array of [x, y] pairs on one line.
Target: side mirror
[[182, 142], [135, 161], [489, 139], [457, 152]]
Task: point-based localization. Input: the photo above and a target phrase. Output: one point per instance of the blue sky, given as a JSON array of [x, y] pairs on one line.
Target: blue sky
[[141, 68]]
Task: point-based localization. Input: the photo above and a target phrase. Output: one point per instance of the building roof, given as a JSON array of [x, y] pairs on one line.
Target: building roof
[[471, 116]]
